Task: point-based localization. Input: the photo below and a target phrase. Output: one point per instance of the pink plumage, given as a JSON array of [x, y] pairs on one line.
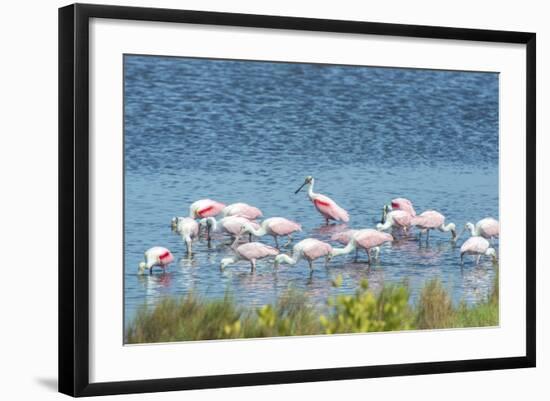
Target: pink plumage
[[255, 250], [313, 248], [401, 218], [429, 219], [403, 204], [329, 209], [281, 226], [205, 208], [369, 238], [243, 210], [233, 224], [474, 246], [344, 236]]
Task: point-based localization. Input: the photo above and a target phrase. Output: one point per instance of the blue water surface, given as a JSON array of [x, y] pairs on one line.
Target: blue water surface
[[242, 131]]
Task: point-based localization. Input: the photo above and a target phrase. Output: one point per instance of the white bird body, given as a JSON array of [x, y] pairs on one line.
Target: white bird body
[[477, 246], [188, 228], [156, 256], [250, 251], [487, 228]]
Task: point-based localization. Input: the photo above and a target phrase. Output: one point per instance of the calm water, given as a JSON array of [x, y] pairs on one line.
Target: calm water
[[251, 131]]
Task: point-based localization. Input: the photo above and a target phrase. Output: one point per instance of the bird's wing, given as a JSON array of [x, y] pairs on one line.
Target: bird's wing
[[429, 219], [208, 208], [490, 227], [403, 204], [343, 237], [256, 250], [402, 218], [371, 238], [282, 226], [315, 249], [475, 245], [328, 207]]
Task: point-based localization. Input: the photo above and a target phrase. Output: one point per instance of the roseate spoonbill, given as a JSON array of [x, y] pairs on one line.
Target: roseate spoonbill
[[243, 210], [343, 237], [368, 239], [477, 246], [324, 205], [231, 225], [274, 226], [403, 204], [250, 251], [205, 208], [156, 256], [394, 218], [487, 228], [188, 228], [308, 249], [430, 220]]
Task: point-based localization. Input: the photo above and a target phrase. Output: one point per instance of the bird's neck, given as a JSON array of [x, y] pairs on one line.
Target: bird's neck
[[210, 222], [310, 192], [258, 233], [472, 230], [347, 249], [283, 258]]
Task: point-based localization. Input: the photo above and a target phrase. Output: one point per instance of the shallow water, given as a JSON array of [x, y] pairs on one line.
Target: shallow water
[[251, 131]]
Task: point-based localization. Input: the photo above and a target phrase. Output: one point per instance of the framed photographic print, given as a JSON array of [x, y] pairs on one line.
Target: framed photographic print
[[253, 199]]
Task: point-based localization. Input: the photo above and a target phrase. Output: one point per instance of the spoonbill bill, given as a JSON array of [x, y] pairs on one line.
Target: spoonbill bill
[[250, 251], [156, 256], [403, 204], [368, 239], [432, 220], [231, 225], [394, 219], [274, 226], [205, 208], [243, 210], [324, 205], [487, 228], [477, 246], [188, 228], [308, 249]]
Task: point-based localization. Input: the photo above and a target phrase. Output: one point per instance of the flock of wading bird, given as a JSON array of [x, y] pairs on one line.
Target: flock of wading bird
[[239, 219]]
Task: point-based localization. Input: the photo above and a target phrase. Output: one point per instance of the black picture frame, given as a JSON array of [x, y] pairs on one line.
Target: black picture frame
[[74, 198]]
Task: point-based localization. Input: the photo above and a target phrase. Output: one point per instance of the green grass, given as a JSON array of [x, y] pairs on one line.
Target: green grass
[[192, 318]]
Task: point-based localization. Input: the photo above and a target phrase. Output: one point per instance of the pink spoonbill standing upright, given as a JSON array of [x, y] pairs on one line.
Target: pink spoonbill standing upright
[[243, 210], [205, 208], [329, 209], [487, 228], [250, 251], [156, 256], [368, 239], [188, 228], [308, 249], [432, 220], [477, 246], [274, 226]]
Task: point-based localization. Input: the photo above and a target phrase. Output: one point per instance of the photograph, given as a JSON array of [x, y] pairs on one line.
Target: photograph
[[270, 199]]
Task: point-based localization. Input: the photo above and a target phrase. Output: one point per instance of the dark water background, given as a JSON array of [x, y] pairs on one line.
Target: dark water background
[[239, 131]]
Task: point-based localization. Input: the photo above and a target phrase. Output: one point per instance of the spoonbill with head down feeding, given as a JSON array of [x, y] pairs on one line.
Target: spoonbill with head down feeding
[[326, 206], [156, 256], [308, 249], [368, 239], [250, 251], [432, 220], [188, 228], [477, 246], [205, 208], [274, 226], [394, 219], [487, 228], [231, 225], [243, 210]]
